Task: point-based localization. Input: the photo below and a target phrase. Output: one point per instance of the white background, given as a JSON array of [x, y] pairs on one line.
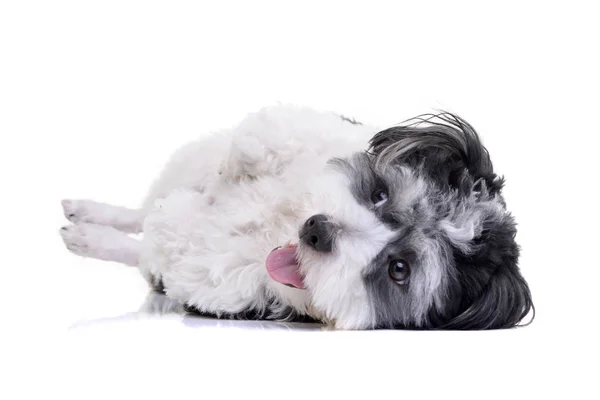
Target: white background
[[94, 96]]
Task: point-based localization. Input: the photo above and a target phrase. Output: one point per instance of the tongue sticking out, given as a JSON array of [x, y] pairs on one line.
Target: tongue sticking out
[[283, 267]]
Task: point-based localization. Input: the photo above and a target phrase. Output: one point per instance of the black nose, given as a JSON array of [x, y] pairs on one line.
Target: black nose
[[317, 232]]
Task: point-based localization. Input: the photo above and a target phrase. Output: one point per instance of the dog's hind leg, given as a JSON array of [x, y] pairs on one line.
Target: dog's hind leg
[[121, 218], [101, 242]]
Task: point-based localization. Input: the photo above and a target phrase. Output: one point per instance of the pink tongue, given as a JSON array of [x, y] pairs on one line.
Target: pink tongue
[[283, 267]]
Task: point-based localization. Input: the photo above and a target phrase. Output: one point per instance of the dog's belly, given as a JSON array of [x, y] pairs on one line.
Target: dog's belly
[[210, 248]]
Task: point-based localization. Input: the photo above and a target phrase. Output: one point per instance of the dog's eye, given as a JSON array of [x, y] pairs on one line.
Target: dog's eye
[[399, 271], [379, 197]]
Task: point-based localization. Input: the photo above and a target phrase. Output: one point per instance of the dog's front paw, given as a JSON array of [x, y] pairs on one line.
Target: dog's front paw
[[75, 210], [81, 239], [101, 242], [90, 240]]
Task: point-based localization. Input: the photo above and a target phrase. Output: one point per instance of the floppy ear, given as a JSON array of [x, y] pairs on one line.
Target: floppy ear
[[492, 292], [504, 302], [443, 145]]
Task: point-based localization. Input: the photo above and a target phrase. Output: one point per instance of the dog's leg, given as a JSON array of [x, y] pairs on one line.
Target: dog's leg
[[267, 142], [101, 242], [258, 147], [121, 218]]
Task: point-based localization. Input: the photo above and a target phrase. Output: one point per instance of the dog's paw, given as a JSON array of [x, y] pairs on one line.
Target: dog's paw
[[76, 210], [81, 239], [101, 242], [90, 240]]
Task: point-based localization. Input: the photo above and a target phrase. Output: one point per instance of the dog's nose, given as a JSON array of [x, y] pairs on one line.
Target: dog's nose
[[317, 232]]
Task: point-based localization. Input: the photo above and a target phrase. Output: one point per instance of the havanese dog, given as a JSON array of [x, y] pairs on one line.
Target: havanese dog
[[301, 215]]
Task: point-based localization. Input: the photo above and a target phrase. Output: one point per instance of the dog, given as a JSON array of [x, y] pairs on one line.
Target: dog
[[302, 215]]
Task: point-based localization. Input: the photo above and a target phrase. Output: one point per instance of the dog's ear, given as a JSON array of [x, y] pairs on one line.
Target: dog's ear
[[504, 302], [491, 293], [444, 145]]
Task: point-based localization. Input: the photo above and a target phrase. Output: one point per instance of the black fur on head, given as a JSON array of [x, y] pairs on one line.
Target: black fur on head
[[488, 290], [444, 145], [485, 289]]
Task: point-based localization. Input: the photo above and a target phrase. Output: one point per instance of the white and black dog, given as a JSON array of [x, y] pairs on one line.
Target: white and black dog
[[301, 215]]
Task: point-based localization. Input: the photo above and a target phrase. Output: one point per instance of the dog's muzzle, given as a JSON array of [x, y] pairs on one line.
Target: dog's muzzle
[[317, 232]]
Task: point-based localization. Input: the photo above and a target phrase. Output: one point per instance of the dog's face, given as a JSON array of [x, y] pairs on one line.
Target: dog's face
[[413, 233]]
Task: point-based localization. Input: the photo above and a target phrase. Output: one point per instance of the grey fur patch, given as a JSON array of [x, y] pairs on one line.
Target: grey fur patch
[[411, 211], [157, 284]]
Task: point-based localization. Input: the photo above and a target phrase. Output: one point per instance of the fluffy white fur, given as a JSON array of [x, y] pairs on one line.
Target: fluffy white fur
[[224, 202]]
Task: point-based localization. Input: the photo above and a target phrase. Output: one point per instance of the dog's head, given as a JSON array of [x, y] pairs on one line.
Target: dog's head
[[412, 233]]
